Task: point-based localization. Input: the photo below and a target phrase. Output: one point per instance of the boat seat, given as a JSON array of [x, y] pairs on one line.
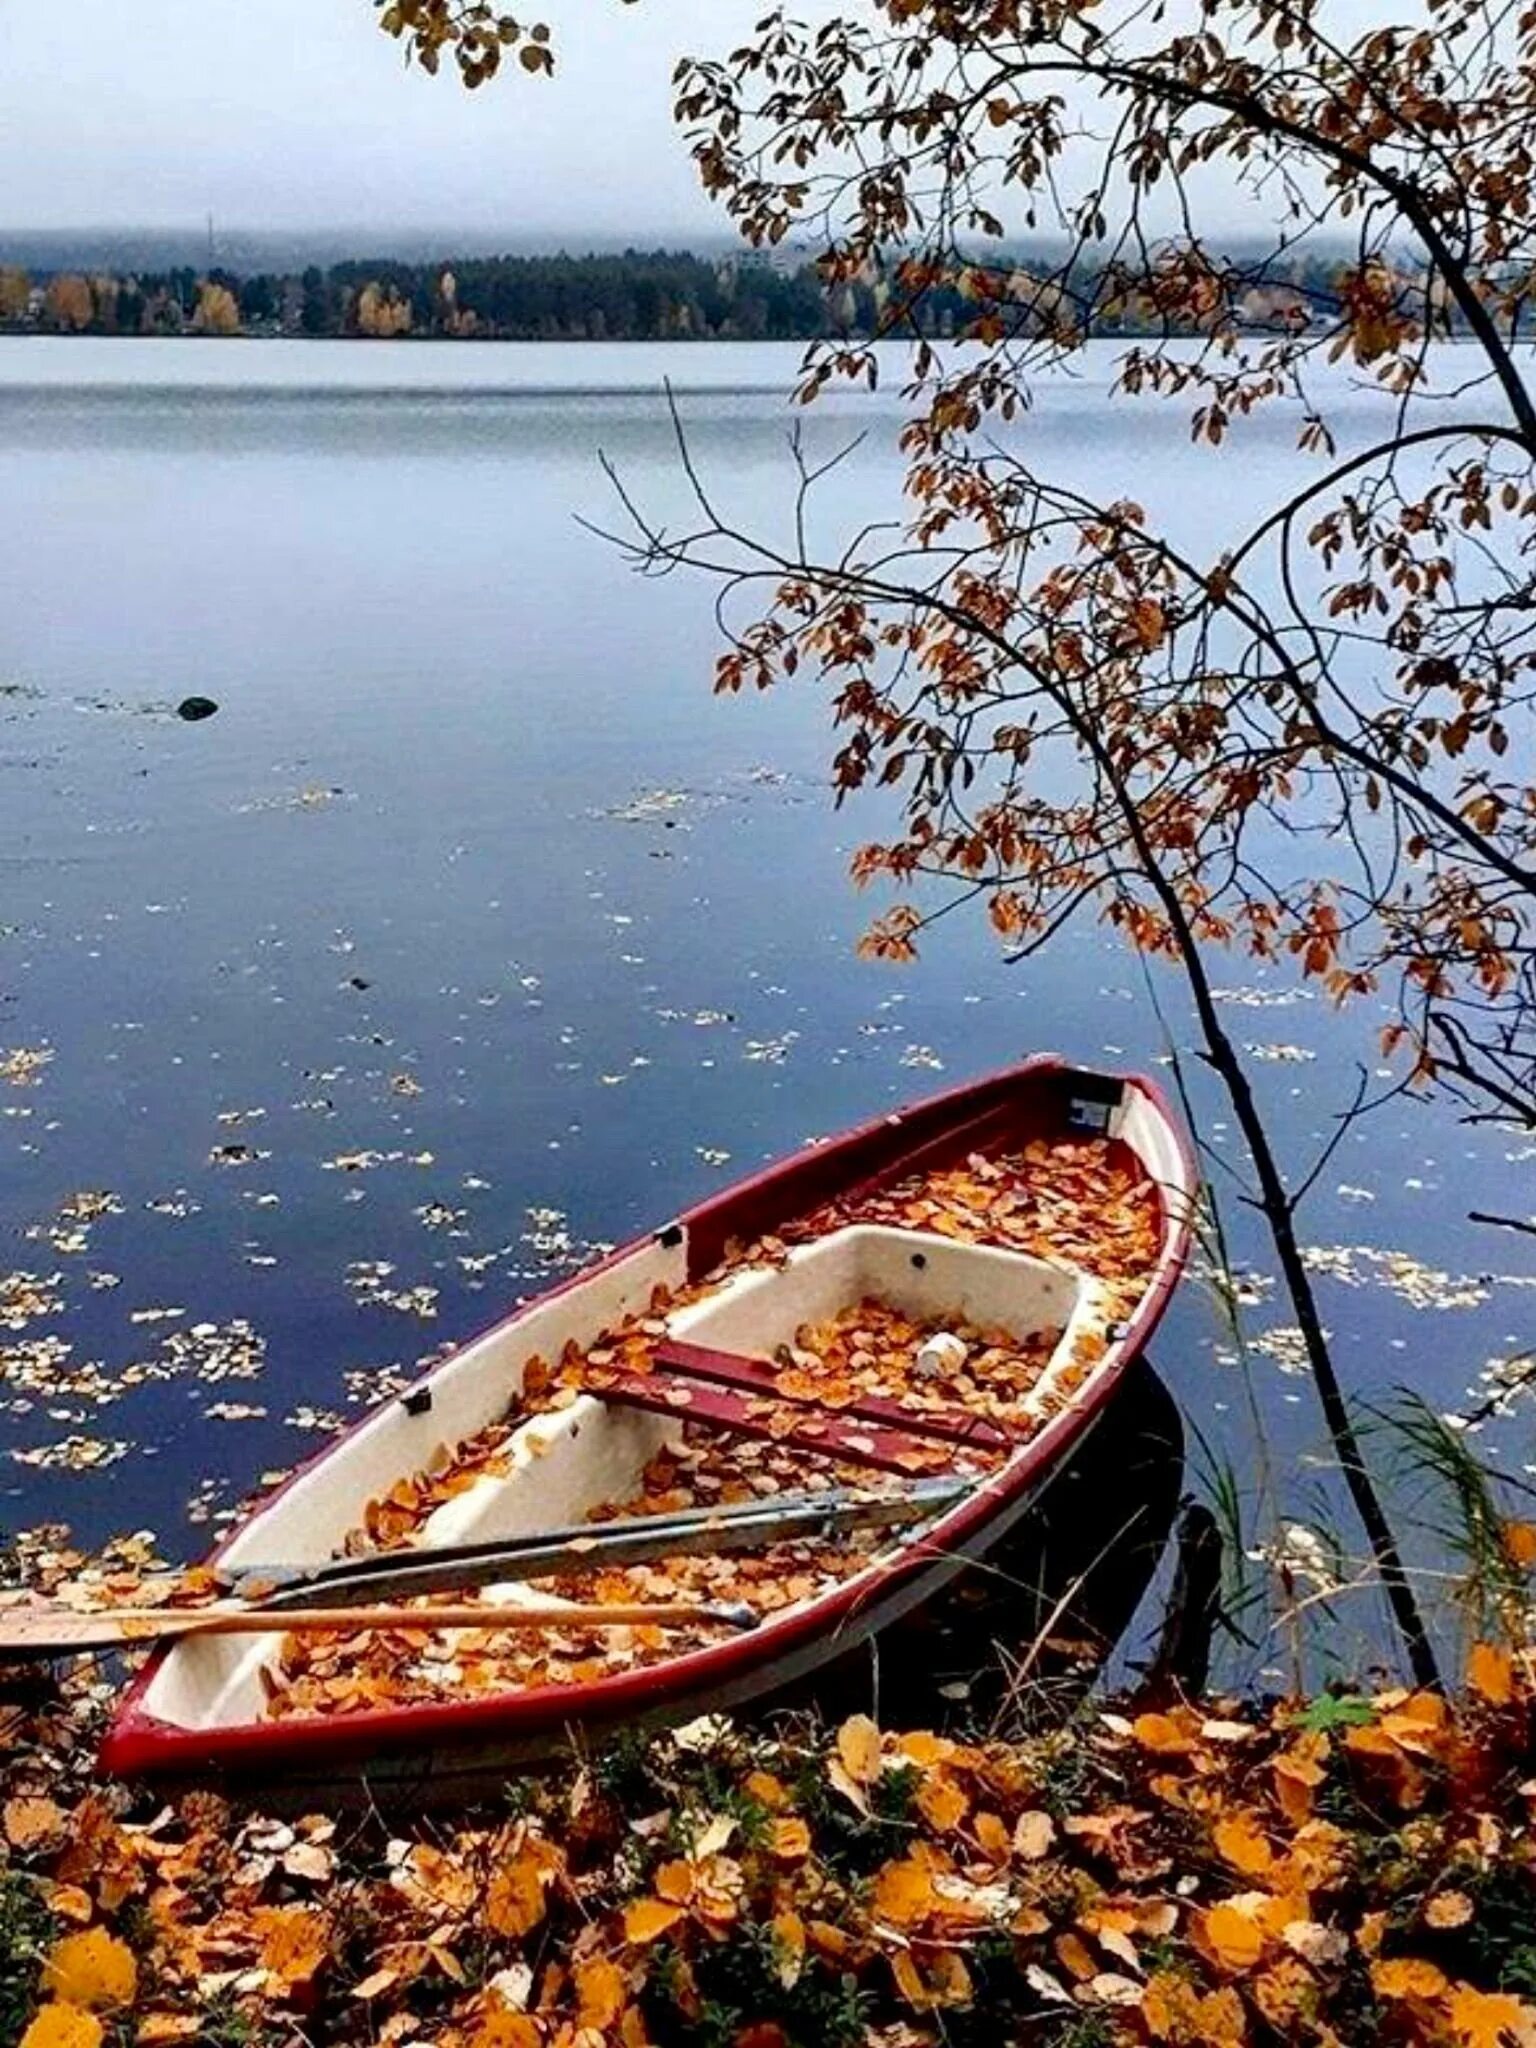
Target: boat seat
[[721, 1390], [756, 1376]]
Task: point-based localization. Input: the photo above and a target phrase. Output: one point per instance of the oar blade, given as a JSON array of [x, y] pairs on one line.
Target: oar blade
[[61, 1632]]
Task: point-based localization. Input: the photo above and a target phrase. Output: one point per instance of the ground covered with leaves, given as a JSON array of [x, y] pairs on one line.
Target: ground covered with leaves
[[1346, 1870]]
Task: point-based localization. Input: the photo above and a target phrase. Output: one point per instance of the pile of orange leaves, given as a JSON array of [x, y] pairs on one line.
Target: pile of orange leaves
[[1346, 1870]]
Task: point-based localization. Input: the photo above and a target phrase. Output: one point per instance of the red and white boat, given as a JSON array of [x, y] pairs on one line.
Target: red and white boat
[[1044, 1212]]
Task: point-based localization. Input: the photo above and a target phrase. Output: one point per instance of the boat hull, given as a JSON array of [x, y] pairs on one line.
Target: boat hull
[[447, 1750]]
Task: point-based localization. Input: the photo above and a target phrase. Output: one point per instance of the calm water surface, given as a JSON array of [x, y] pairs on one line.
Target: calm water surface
[[473, 931]]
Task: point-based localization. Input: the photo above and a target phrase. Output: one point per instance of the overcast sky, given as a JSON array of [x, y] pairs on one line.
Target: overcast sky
[[300, 114]]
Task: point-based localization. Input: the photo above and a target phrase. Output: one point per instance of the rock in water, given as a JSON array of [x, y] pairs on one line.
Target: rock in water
[[194, 708]]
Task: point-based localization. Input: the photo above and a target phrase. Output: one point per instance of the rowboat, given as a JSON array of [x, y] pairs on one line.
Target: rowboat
[[913, 1323]]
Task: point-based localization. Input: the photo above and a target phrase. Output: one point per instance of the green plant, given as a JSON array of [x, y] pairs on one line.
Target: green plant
[[26, 1933]]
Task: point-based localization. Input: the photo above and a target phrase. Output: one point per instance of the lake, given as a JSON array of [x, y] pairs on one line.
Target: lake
[[473, 932]]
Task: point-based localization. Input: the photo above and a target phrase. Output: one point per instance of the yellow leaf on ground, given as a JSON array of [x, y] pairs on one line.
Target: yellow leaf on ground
[[948, 1982], [1448, 1909], [858, 1749], [904, 1892], [499, 2028], [295, 1941], [650, 1919], [34, 1824], [63, 2026], [788, 1947], [600, 1996], [514, 1899], [93, 1969], [941, 1802], [791, 1838], [1488, 2019], [1240, 1842], [1408, 1977], [766, 1789], [1491, 1673], [1161, 1734], [1233, 1939]]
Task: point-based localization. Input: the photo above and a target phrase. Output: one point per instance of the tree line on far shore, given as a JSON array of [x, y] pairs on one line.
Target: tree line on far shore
[[637, 296]]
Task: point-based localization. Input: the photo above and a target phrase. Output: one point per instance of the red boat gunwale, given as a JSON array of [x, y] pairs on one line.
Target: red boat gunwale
[[141, 1744]]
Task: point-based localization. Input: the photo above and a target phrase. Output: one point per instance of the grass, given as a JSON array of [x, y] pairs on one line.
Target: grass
[[27, 1931]]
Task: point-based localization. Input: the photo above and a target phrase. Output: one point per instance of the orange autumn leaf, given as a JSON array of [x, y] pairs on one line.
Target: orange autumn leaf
[[1240, 1842], [514, 1898], [63, 2026], [790, 1838], [649, 1919], [992, 1836], [294, 1942], [1161, 1734], [925, 1749], [94, 1970], [904, 1892], [1520, 1542], [947, 1982], [502, 2028], [942, 1802], [1285, 1994], [1408, 1977], [1075, 1955], [675, 1880], [1233, 1939], [1448, 1909], [1491, 1673], [600, 1992], [788, 1947], [766, 1789], [1488, 2019], [34, 1824]]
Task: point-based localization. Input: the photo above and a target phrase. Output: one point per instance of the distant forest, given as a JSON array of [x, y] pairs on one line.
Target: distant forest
[[634, 296]]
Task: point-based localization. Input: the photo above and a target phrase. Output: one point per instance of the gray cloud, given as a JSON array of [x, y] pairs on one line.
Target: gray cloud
[[300, 114]]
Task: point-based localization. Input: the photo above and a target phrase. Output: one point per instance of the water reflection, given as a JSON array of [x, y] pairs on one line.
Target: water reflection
[[1022, 1637]]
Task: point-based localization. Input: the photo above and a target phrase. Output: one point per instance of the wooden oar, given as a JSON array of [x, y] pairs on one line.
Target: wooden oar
[[582, 1547], [59, 1631]]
